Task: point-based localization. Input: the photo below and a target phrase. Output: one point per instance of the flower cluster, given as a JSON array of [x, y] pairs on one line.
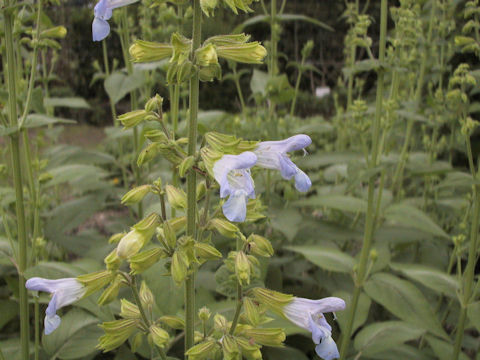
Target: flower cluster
[[232, 172]]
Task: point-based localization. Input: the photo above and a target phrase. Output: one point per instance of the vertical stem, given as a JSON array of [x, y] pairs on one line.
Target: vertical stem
[[192, 178], [370, 216], [297, 88], [17, 177], [469, 274], [239, 90]]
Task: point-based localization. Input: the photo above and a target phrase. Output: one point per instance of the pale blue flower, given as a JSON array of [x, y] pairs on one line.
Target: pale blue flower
[[103, 12], [65, 292], [308, 314], [273, 155], [232, 172]]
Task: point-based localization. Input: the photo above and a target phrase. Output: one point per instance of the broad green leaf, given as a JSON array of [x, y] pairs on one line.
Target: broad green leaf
[[330, 259], [68, 102], [338, 202], [473, 312], [429, 277], [409, 216], [287, 221], [76, 174], [404, 300], [11, 349], [284, 353], [282, 17], [361, 314], [9, 310], [402, 352], [53, 270], [37, 120], [442, 349], [118, 84], [76, 337], [363, 66], [386, 335], [259, 82]]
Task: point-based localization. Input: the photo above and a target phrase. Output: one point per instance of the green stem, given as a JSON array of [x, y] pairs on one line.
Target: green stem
[[136, 296], [125, 38], [238, 309], [17, 176], [371, 213], [398, 175], [239, 90], [192, 177], [469, 274], [297, 88]]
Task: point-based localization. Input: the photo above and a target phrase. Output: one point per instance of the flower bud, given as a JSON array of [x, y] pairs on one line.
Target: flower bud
[[251, 311], [136, 195], [179, 268], [242, 268], [220, 323], [249, 351], [206, 252], [208, 6], [184, 71], [230, 348], [138, 237], [111, 292], [129, 310], [260, 246], [202, 351], [186, 165], [136, 342], [116, 333], [249, 53], [197, 336], [206, 55], [201, 190], [204, 314], [273, 299], [210, 73], [267, 337], [155, 135], [95, 281], [222, 142], [178, 224], [224, 227], [148, 51], [154, 104], [307, 49], [159, 336], [176, 197], [132, 118], [112, 261], [227, 40], [115, 238], [172, 321], [181, 48], [144, 260], [57, 32], [146, 296]]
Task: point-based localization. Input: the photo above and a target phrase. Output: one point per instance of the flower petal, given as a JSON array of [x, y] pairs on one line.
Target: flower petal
[[235, 208], [113, 4], [327, 349], [100, 10], [302, 181], [287, 168], [227, 163], [296, 142], [51, 323], [100, 29]]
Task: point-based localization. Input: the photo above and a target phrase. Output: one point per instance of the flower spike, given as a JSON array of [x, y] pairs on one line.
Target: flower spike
[[273, 155], [232, 172], [103, 12], [65, 292]]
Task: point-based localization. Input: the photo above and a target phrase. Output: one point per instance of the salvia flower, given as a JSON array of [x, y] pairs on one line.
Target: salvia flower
[[232, 172], [103, 12], [308, 314], [273, 155], [65, 292]]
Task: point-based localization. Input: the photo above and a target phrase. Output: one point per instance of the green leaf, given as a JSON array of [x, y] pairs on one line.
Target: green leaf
[[76, 174], [283, 17], [402, 352], [68, 102], [404, 300], [362, 66], [442, 349], [327, 258], [11, 349], [287, 221], [409, 216], [118, 84], [473, 312], [338, 202], [53, 270], [284, 353], [76, 337], [386, 335], [361, 314], [429, 277], [259, 81], [37, 120], [9, 311]]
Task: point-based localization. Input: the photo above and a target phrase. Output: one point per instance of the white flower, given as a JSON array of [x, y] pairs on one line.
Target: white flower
[[308, 314], [65, 292], [232, 172]]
